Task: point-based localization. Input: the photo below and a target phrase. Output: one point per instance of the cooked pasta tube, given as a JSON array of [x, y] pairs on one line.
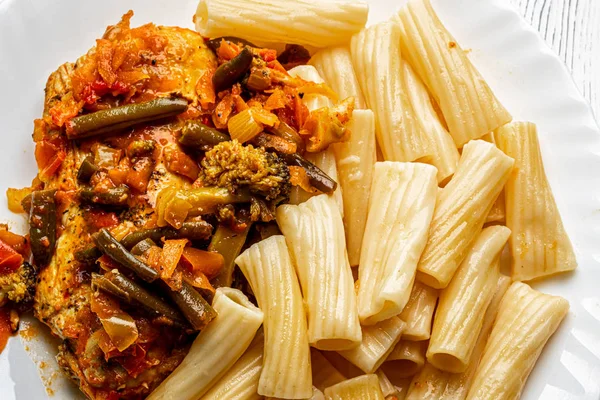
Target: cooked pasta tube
[[406, 359], [497, 214], [345, 367], [317, 394], [387, 388], [461, 209], [526, 319], [307, 22], [286, 371], [434, 384], [241, 381], [334, 64], [442, 151], [237, 320], [469, 106], [418, 312], [325, 160], [364, 387], [377, 343], [402, 203], [315, 234], [376, 58], [461, 309], [539, 244], [324, 373], [355, 160]]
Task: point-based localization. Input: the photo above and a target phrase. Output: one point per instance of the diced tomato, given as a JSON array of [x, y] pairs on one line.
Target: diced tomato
[[99, 219], [49, 154], [268, 54], [10, 260], [207, 262], [171, 253], [180, 163], [139, 175]]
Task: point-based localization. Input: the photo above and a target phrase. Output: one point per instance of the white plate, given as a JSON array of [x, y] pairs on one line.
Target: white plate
[[38, 35]]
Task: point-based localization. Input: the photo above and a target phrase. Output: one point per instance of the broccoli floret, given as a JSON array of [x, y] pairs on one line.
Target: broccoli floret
[[18, 286], [232, 165]]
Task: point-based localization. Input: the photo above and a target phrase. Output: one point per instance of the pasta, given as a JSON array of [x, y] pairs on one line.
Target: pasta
[[406, 359], [540, 245], [355, 161], [434, 384], [461, 309], [418, 312], [315, 234], [334, 64], [324, 373], [286, 371], [324, 160], [376, 58], [461, 209], [364, 387], [238, 320], [403, 197], [307, 22], [470, 108], [526, 320], [241, 381], [442, 152], [378, 341], [387, 388], [498, 212]]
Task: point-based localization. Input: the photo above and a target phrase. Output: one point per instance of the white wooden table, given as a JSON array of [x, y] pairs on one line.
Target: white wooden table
[[572, 29]]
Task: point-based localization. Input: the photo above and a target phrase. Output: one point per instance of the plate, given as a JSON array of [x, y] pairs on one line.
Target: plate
[[38, 35]]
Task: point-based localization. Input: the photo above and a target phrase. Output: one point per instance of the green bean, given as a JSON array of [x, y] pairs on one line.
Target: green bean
[[86, 169], [199, 136], [192, 305], [114, 119], [42, 226], [193, 230], [117, 196], [215, 43], [117, 284], [118, 253], [89, 255], [204, 200], [316, 176], [232, 71], [229, 244], [139, 148], [141, 247], [285, 131]]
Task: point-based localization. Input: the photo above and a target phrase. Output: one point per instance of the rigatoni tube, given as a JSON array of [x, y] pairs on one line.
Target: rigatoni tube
[[378, 341], [403, 197], [539, 244], [241, 381], [418, 312], [469, 106], [355, 161], [376, 58], [324, 373], [407, 358], [434, 384], [364, 387], [526, 320], [306, 22], [462, 306], [286, 369], [315, 234], [442, 152], [461, 209], [237, 320], [334, 64]]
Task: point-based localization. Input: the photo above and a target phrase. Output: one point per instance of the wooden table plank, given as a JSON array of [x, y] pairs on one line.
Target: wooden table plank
[[572, 29]]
